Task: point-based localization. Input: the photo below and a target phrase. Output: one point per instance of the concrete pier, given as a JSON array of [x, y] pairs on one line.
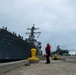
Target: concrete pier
[[56, 67], [6, 67]]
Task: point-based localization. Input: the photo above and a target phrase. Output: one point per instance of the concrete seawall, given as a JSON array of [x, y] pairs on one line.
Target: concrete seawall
[[68, 58], [5, 67]]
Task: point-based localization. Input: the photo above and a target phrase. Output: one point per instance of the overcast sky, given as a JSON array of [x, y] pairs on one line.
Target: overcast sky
[[55, 18]]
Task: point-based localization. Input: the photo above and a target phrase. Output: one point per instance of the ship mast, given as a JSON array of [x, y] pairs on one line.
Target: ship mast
[[32, 33]]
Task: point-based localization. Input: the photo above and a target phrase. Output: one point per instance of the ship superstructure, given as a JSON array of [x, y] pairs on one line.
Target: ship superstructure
[[31, 39]]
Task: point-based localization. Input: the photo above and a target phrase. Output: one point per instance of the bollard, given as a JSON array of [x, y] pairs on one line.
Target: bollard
[[33, 58]]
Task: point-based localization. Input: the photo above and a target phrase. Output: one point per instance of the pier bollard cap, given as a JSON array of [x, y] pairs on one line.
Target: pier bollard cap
[[33, 48]]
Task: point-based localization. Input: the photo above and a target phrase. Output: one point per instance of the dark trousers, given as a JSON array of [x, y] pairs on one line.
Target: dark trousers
[[47, 59]]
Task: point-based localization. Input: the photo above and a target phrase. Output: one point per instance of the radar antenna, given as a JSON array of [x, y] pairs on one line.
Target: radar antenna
[[32, 33]]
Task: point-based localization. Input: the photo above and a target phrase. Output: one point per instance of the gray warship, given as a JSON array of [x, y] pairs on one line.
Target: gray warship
[[60, 52], [13, 47]]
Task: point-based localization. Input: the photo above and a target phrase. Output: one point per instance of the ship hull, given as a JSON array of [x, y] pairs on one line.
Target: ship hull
[[13, 48]]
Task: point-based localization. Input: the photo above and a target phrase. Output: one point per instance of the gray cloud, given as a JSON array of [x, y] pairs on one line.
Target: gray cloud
[[55, 18]]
